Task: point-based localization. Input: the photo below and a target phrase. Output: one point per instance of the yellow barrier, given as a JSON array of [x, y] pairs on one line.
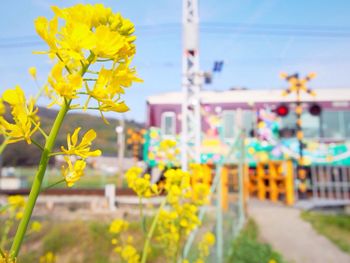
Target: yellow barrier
[[272, 180]]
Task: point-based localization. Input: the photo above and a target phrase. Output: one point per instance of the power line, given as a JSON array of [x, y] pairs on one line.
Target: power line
[[218, 29]]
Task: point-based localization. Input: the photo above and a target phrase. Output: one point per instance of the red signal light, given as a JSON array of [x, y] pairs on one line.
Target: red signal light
[[315, 110], [282, 110]]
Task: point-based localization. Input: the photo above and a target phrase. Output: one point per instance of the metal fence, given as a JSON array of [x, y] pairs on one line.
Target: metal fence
[[229, 217], [330, 183]]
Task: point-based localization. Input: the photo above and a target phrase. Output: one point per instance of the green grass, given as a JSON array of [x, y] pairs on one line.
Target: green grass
[[91, 179], [75, 241], [336, 227], [247, 248], [81, 242]]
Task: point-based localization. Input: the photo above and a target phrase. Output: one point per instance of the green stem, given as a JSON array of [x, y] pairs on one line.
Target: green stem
[[143, 225], [2, 253], [7, 229], [38, 145], [52, 185], [3, 145], [36, 186], [150, 233]]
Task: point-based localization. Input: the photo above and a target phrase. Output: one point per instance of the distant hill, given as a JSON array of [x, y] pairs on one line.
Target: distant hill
[[22, 154], [106, 135]]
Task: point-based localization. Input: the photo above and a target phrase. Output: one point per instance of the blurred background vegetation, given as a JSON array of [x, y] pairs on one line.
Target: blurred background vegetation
[[21, 154]]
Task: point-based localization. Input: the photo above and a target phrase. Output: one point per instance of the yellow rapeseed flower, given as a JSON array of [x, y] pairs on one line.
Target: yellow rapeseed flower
[[49, 257], [16, 201], [2, 107], [83, 148], [24, 114], [47, 30], [72, 173], [32, 72], [141, 185], [65, 86], [204, 245], [130, 254], [118, 226], [35, 226]]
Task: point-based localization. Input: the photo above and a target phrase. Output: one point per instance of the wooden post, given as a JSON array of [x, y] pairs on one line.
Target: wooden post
[[289, 183], [260, 181]]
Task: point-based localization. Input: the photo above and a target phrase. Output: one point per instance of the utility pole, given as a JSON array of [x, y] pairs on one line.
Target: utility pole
[[297, 86], [120, 129], [191, 85]]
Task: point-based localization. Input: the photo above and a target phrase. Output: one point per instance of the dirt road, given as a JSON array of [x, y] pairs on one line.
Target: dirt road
[[294, 238]]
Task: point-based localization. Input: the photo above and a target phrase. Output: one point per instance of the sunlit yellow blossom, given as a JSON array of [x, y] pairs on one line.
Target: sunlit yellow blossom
[[24, 114], [141, 185], [110, 105], [118, 226], [108, 42], [75, 38], [129, 254], [168, 231], [16, 201], [49, 257], [2, 107], [177, 184], [47, 30], [109, 86], [15, 97], [72, 173], [19, 215], [204, 246], [83, 148], [32, 72], [200, 193], [90, 15], [65, 85], [123, 77], [35, 226], [188, 217]]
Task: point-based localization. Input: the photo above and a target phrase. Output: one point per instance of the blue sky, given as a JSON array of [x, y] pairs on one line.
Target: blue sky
[[252, 61]]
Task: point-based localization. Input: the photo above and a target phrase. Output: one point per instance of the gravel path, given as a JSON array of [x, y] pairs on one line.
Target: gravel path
[[294, 238]]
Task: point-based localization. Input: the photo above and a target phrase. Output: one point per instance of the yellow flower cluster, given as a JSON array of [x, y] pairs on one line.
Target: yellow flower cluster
[[49, 257], [123, 246], [200, 184], [176, 220], [181, 217], [177, 186], [83, 148], [142, 186], [24, 115], [16, 206], [205, 244], [118, 226], [85, 35], [73, 172]]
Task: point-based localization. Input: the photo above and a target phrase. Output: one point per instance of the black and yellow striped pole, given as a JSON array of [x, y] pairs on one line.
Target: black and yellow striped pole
[[135, 139], [298, 86]]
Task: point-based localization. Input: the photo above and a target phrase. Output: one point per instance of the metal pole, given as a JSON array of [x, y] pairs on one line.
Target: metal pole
[[191, 120], [121, 149], [241, 215], [219, 219]]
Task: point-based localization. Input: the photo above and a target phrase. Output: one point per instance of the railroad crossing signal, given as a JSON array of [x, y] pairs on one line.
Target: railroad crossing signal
[[298, 85]]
